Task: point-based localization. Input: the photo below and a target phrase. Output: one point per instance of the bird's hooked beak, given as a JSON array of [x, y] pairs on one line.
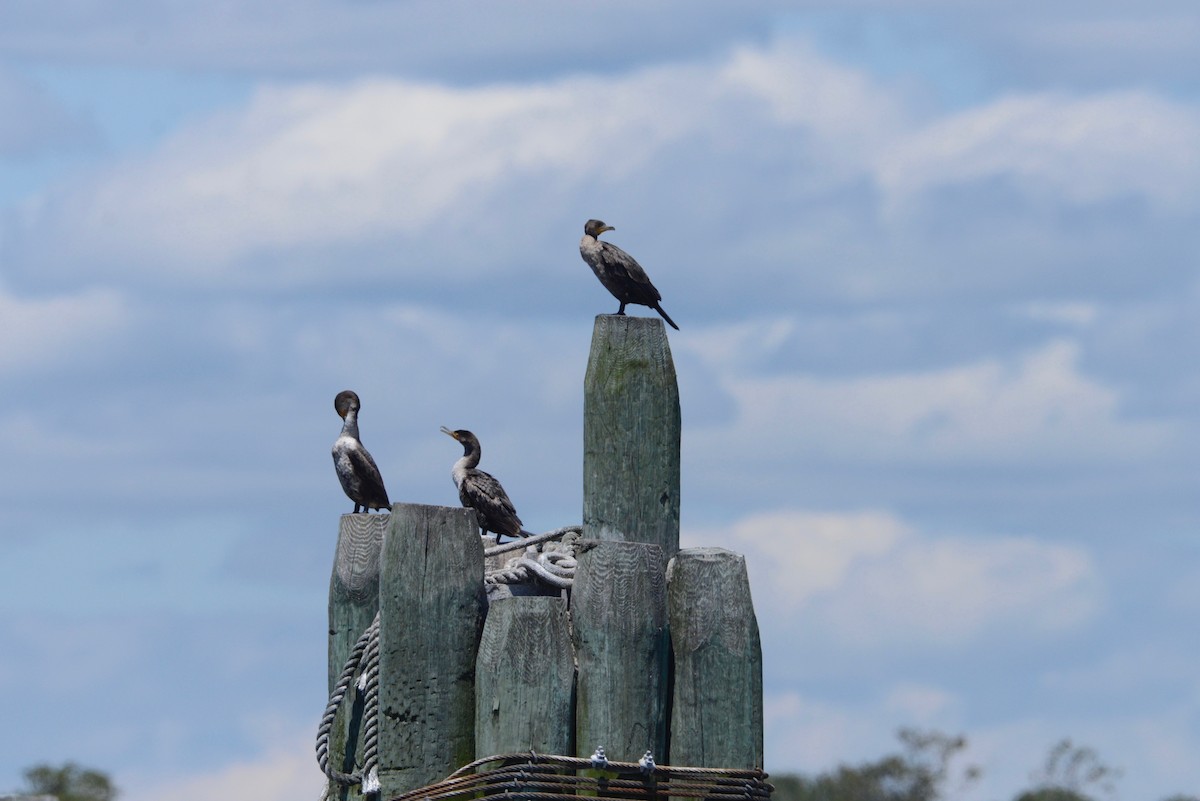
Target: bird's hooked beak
[[606, 228], [448, 432]]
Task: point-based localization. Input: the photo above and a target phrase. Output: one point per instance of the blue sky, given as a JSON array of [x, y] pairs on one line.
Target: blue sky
[[935, 270]]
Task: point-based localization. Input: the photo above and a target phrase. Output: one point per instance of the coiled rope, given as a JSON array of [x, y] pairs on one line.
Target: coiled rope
[[367, 642], [556, 568]]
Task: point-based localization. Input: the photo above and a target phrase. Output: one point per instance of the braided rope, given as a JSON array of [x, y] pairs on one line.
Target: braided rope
[[536, 539], [370, 782], [556, 568], [335, 702]]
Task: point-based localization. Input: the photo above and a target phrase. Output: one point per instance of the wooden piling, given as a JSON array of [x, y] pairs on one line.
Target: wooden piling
[[353, 602], [539, 676], [354, 585], [619, 616], [717, 714], [432, 607], [631, 430], [525, 678]]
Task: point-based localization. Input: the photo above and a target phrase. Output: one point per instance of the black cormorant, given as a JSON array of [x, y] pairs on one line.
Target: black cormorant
[[618, 271], [355, 468], [481, 491]]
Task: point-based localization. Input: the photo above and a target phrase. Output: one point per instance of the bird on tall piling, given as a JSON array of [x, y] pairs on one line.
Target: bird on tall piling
[[481, 491], [355, 468], [618, 271]]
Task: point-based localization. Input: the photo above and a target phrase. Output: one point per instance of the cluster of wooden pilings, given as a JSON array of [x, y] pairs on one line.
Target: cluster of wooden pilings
[[654, 648]]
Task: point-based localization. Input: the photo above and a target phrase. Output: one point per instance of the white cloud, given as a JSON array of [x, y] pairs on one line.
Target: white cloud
[[40, 333], [806, 733], [1037, 406], [1076, 314], [923, 704], [810, 734], [1147, 34], [283, 771], [802, 554], [787, 154], [311, 166], [948, 590], [867, 579], [813, 735], [1075, 149], [1124, 670]]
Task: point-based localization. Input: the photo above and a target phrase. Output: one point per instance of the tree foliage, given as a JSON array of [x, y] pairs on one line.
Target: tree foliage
[[1072, 773], [920, 773], [69, 782], [924, 771], [1052, 794]]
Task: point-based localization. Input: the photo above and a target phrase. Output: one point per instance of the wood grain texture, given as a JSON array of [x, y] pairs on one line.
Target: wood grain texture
[[619, 616], [631, 430], [353, 601], [716, 710], [525, 678], [431, 614], [354, 585]]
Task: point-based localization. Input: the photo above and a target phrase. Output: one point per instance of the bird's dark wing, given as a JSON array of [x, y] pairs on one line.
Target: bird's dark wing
[[483, 493], [370, 482], [618, 260]]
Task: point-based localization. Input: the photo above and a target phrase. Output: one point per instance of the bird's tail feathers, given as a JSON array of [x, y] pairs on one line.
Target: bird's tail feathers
[[665, 316]]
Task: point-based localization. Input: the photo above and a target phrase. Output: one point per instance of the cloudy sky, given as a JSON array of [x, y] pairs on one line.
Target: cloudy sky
[[935, 270]]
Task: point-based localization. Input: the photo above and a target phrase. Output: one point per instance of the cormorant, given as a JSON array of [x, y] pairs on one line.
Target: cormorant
[[618, 271], [355, 468], [481, 491]]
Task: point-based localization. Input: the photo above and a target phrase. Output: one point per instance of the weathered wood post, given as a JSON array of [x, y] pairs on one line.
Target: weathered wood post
[[631, 428], [619, 612], [354, 585], [452, 688], [525, 678], [717, 714], [431, 609], [353, 602]]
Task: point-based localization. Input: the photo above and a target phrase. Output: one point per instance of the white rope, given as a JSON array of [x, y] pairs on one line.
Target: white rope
[[556, 568], [553, 567], [536, 539], [364, 644]]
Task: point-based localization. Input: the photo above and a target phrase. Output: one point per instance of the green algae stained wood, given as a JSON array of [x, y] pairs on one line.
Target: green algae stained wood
[[525, 678], [717, 713], [619, 618], [432, 606], [631, 429], [354, 585], [353, 601]]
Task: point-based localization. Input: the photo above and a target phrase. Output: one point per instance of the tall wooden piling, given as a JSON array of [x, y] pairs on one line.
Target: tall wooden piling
[[541, 675], [619, 612], [525, 678], [353, 602], [431, 604], [716, 712], [631, 430], [354, 585]]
